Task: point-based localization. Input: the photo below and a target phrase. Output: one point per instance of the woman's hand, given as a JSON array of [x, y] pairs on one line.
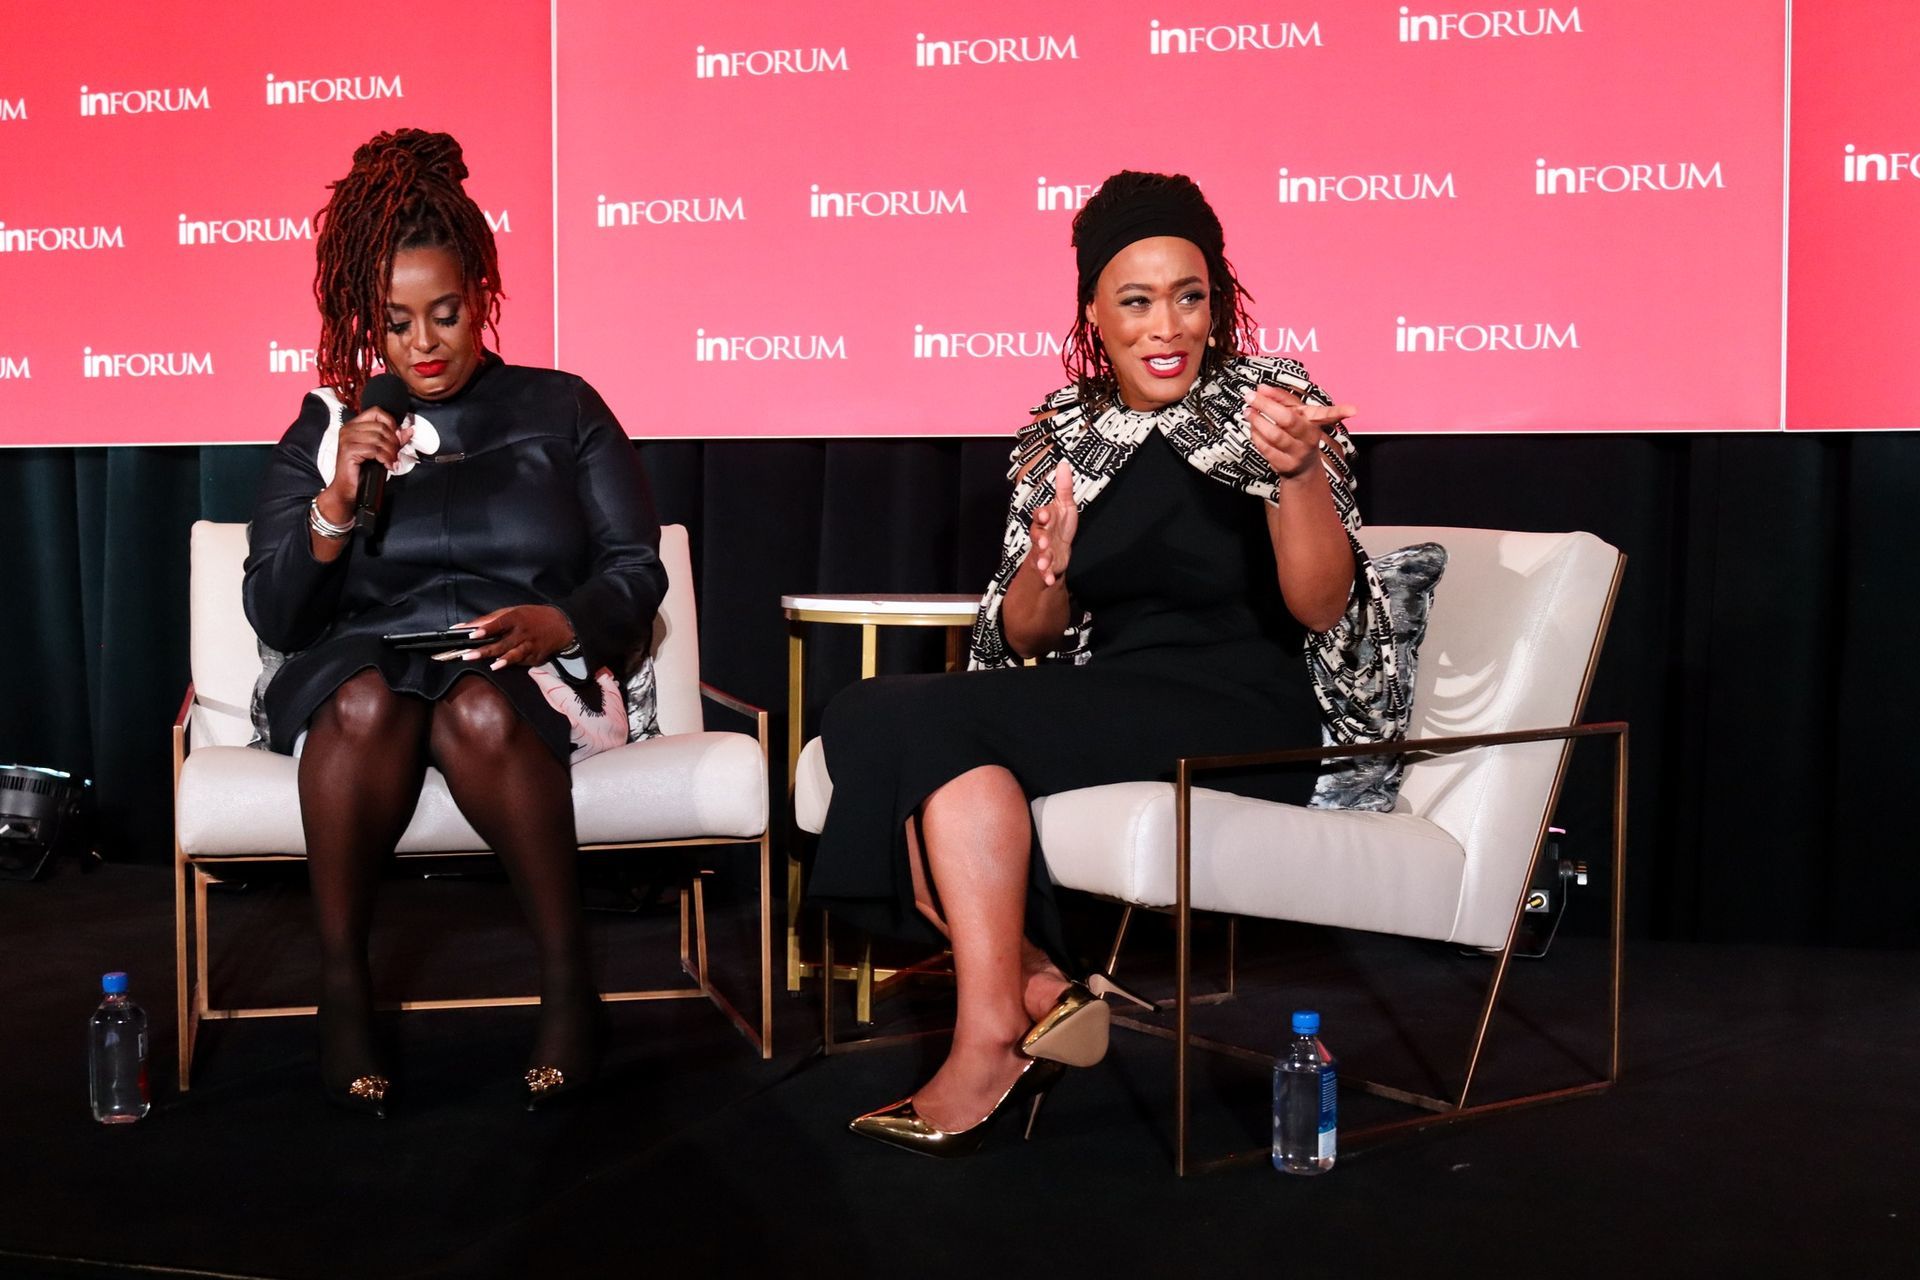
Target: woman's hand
[[1053, 528], [524, 635], [370, 438], [1287, 432]]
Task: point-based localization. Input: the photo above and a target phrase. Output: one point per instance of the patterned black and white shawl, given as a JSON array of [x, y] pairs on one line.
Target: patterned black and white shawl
[[1353, 664]]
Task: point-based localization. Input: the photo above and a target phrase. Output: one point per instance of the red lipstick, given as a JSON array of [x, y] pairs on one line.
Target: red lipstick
[[430, 368]]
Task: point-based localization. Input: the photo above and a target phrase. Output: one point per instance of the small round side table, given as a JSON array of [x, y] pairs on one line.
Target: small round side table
[[869, 613]]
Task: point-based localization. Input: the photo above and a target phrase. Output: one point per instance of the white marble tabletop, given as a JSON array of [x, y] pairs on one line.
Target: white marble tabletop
[[960, 607]]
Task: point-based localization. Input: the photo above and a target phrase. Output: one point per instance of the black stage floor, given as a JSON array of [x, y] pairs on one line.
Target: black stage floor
[[1765, 1125]]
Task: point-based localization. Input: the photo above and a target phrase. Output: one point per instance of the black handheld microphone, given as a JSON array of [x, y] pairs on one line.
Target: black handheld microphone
[[383, 391]]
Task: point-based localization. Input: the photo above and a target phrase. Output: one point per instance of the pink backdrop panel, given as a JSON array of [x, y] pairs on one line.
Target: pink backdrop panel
[[162, 164], [800, 220], [1853, 289]]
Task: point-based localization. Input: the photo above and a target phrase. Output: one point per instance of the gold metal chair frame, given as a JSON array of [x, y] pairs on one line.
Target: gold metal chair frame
[[194, 1007], [1438, 1110]]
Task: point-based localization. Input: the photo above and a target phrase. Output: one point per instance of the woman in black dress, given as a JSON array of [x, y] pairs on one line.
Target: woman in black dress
[[1174, 613], [517, 511]]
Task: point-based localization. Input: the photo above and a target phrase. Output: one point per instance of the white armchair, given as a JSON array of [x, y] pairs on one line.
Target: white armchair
[[235, 805], [1515, 631]]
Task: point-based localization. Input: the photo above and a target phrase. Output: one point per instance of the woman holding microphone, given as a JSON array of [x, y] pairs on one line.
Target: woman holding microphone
[[516, 518]]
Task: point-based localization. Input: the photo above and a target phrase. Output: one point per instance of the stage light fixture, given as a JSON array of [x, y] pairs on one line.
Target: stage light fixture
[[41, 811]]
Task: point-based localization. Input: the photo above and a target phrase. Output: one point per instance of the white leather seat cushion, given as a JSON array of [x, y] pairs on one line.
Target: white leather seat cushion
[[812, 788], [1391, 872], [233, 800]]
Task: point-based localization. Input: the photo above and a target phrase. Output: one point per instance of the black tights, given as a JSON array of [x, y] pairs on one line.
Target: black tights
[[366, 755]]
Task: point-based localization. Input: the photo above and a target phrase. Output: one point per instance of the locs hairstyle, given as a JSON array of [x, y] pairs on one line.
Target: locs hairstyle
[[1167, 200], [403, 192]]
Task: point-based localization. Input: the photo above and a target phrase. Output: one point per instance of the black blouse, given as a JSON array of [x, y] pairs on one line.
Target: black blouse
[[535, 496]]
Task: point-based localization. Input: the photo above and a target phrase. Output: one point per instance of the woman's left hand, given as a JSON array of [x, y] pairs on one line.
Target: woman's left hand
[[1287, 431], [524, 635]]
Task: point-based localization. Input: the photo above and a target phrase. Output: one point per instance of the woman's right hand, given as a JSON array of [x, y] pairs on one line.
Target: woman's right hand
[[369, 438], [1052, 530]]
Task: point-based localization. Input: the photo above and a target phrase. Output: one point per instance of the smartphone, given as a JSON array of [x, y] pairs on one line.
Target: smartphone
[[431, 641]]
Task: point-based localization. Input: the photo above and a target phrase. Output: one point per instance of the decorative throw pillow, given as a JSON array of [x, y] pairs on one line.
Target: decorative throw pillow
[[1409, 575], [271, 660], [643, 703]]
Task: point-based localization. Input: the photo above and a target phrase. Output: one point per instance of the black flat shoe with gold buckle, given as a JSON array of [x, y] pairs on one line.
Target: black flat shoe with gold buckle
[[364, 1095], [551, 1087]]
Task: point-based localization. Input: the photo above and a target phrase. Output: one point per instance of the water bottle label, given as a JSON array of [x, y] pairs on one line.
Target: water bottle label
[[1329, 1111]]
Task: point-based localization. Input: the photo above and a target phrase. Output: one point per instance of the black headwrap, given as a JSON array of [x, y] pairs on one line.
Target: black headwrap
[[1156, 210]]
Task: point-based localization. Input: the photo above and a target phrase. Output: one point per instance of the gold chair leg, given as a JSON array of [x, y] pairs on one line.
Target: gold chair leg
[[1183, 958], [826, 984], [686, 935], [182, 996], [1619, 905], [766, 942], [1119, 937], [203, 929], [700, 926]]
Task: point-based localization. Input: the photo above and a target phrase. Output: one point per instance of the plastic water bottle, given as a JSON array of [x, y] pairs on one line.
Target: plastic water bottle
[[117, 1056], [1305, 1105]]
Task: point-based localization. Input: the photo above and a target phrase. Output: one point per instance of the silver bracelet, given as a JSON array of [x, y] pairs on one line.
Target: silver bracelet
[[324, 527]]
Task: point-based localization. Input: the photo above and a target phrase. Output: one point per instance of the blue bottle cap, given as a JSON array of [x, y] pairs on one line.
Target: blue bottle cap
[[114, 984], [1305, 1022]]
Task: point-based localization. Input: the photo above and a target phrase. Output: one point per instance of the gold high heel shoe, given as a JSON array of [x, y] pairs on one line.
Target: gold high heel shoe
[[1103, 986], [1075, 1030], [901, 1126]]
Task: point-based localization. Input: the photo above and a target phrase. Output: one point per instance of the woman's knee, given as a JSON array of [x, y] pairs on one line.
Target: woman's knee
[[995, 780], [986, 790], [364, 709], [474, 718]]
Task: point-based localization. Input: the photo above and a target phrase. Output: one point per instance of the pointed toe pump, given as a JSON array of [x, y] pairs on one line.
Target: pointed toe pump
[[900, 1125]]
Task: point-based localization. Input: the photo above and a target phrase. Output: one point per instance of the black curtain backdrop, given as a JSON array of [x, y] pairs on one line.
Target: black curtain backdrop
[[1762, 648]]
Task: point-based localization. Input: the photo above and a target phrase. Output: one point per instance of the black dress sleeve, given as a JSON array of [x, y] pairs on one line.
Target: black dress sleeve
[[613, 610], [291, 597]]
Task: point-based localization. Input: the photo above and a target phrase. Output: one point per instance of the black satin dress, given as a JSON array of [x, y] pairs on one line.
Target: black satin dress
[[535, 496], [1193, 653]]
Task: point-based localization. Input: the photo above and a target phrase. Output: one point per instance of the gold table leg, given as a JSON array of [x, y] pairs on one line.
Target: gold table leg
[[863, 985], [796, 711]]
